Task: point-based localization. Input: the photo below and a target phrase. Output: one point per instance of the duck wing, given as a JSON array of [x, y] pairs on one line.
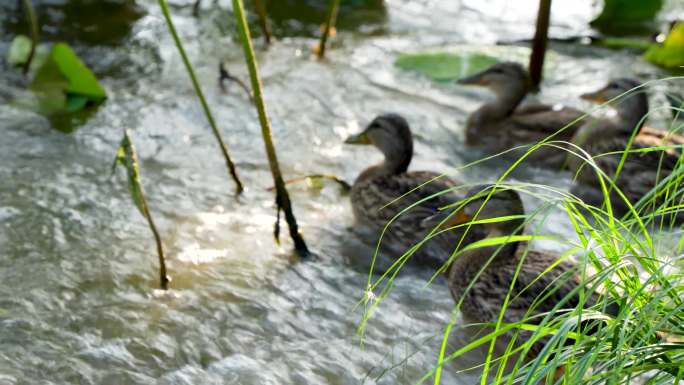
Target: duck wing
[[379, 200], [538, 121]]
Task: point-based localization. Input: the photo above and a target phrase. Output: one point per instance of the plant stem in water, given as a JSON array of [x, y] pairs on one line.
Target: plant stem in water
[[282, 196], [539, 43], [330, 23], [263, 20], [198, 90], [33, 24]]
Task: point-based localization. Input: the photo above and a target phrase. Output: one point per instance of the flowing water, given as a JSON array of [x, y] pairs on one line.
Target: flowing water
[[78, 303]]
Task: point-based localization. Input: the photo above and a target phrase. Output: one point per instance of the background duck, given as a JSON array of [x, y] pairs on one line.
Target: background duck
[[493, 270], [374, 192], [641, 171], [503, 124]]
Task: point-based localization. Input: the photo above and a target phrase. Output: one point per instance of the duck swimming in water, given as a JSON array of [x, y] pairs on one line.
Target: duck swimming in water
[[384, 190], [606, 140], [535, 288], [502, 124]]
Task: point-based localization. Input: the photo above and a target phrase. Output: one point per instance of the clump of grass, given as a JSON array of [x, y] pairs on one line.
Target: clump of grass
[[642, 343], [200, 95], [128, 157]]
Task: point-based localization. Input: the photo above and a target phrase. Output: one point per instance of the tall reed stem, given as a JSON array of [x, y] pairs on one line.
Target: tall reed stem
[[330, 23], [33, 24], [263, 20], [282, 196], [198, 90], [540, 42]]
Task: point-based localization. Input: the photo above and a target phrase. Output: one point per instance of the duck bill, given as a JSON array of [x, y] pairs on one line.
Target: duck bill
[[361, 138], [474, 80], [596, 97], [458, 219]]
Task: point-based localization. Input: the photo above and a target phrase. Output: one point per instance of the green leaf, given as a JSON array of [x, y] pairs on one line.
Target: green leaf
[[127, 156], [19, 51], [75, 102], [671, 53], [81, 79], [64, 84], [442, 66], [623, 16], [625, 43]]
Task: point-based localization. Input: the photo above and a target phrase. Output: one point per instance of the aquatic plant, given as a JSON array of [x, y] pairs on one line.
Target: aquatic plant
[[128, 157], [200, 95], [330, 21], [33, 24], [263, 20], [282, 196], [637, 273], [541, 37]]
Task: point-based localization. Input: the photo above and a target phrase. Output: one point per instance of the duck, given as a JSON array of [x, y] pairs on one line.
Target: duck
[[492, 270], [384, 190], [503, 123], [641, 171]]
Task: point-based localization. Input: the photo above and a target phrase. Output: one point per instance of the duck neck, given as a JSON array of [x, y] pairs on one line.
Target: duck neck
[[507, 100], [395, 163], [631, 112]]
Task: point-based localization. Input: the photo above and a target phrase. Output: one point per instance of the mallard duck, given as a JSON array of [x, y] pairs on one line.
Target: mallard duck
[[641, 171], [503, 124], [384, 190], [493, 269]]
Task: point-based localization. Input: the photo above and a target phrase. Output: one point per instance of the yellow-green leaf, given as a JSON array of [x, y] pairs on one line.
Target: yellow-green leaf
[[671, 53]]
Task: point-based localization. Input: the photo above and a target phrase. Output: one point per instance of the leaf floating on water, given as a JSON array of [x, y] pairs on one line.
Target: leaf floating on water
[[19, 51], [64, 84], [443, 66], [671, 53], [624, 16]]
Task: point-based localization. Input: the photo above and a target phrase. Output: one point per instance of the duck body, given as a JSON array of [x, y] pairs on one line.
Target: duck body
[[503, 123], [607, 139], [496, 270], [382, 192]]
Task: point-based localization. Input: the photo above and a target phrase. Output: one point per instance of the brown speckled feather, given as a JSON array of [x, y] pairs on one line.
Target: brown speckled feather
[[369, 196], [640, 172], [485, 299]]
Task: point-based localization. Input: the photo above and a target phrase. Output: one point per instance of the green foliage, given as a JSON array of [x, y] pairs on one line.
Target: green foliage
[[671, 53], [623, 16], [19, 51], [127, 157], [444, 67], [64, 84], [625, 43]]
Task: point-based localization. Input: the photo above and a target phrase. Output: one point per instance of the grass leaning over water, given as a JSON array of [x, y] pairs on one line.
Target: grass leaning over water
[[200, 95], [642, 344]]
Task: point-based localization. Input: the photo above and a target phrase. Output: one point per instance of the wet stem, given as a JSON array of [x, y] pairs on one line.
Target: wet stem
[[33, 23], [329, 24], [263, 20], [282, 196], [200, 95], [539, 43]]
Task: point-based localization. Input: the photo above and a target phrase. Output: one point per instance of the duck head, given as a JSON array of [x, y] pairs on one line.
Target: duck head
[[631, 108], [486, 203], [506, 78], [390, 133]]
